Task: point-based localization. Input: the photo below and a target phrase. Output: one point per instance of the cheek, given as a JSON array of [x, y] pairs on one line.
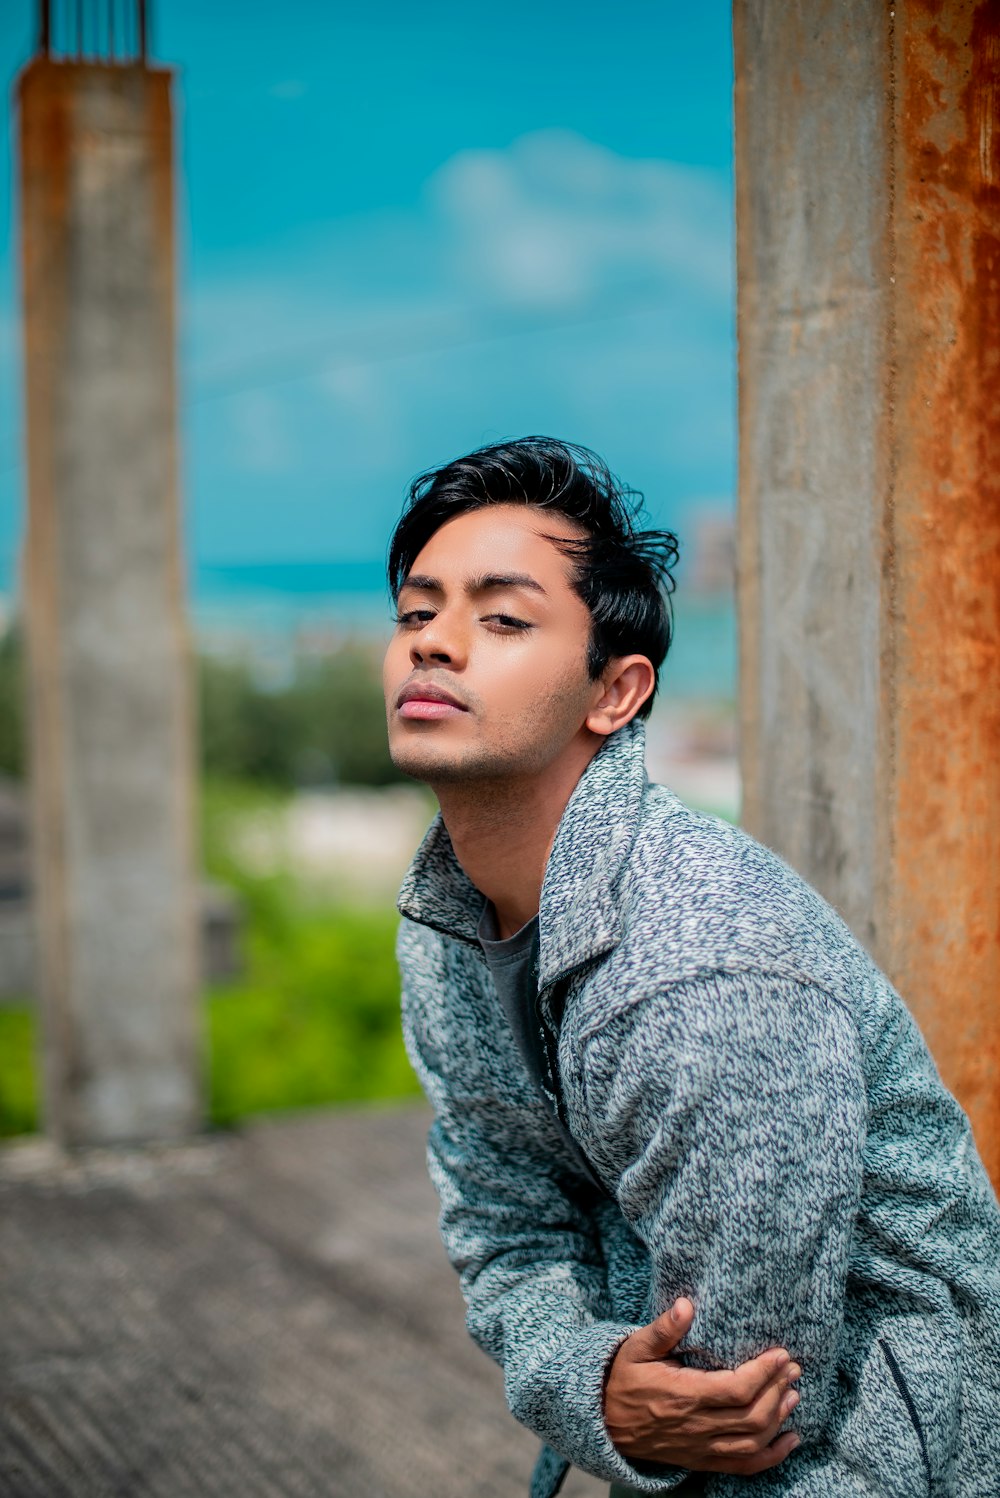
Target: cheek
[[543, 680], [391, 668]]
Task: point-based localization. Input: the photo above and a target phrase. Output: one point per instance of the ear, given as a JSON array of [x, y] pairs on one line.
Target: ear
[[626, 684]]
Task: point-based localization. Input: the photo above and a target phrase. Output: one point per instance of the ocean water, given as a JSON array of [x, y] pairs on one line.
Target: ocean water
[[282, 606], [278, 608]]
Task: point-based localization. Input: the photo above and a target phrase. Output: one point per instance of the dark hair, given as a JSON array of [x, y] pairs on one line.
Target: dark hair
[[623, 574]]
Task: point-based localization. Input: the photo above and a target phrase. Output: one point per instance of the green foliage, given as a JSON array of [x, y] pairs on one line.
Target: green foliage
[[245, 731], [339, 711], [313, 1020], [18, 1091], [316, 1020], [11, 704], [327, 724]]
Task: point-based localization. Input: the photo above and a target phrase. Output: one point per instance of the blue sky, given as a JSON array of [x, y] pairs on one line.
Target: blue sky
[[405, 231]]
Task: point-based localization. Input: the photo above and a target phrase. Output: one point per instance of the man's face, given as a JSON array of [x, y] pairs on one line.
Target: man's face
[[485, 676]]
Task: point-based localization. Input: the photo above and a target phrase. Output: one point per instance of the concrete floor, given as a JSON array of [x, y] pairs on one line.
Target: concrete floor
[[262, 1315]]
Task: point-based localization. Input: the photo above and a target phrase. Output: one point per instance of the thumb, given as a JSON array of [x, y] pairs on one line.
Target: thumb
[[662, 1335]]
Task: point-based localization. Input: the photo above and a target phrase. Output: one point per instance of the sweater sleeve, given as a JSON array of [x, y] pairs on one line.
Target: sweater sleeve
[[732, 1110], [518, 1224]]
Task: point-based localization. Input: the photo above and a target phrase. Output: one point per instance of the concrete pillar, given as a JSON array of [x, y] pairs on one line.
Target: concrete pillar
[[110, 709], [868, 214]]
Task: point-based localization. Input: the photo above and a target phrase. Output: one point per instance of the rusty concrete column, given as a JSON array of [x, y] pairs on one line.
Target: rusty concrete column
[[110, 708], [868, 215]]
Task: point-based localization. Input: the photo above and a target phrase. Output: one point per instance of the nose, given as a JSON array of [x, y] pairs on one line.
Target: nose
[[438, 643]]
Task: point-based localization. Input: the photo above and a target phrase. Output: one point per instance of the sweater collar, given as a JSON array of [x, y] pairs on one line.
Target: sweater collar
[[578, 916]]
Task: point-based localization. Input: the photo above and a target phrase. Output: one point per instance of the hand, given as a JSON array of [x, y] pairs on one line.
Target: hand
[[656, 1410]]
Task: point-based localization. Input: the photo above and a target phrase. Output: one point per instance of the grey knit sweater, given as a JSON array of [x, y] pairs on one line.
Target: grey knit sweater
[[770, 1131]]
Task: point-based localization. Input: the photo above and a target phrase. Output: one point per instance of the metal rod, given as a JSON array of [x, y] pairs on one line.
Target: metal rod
[[115, 31]]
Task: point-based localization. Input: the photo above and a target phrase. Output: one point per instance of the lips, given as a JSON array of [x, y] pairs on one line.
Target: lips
[[424, 700]]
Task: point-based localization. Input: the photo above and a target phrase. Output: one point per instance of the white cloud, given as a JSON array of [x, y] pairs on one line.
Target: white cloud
[[552, 286], [555, 223], [556, 219]]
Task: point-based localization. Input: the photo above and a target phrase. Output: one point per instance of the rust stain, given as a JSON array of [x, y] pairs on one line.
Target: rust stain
[[53, 144], [46, 108], [946, 814]]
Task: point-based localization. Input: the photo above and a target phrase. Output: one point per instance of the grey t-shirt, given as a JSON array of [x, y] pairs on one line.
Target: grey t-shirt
[[513, 965]]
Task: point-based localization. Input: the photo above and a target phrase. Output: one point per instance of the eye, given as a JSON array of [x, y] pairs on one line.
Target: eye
[[414, 617], [506, 623]]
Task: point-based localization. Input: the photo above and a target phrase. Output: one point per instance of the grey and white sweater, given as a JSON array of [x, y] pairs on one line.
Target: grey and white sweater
[[769, 1128]]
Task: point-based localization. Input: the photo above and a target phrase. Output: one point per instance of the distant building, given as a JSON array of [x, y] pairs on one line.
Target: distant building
[[710, 553]]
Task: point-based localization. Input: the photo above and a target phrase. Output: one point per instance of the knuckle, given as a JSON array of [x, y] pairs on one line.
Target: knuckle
[[734, 1449], [749, 1449], [759, 1422]]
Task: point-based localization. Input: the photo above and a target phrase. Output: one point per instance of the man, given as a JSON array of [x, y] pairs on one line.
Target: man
[[668, 1083]]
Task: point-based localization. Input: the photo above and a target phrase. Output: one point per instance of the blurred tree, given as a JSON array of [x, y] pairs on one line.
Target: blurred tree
[[337, 700], [327, 726], [12, 748], [244, 729]]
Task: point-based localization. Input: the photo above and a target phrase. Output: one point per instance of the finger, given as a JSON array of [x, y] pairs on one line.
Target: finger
[[662, 1335], [765, 1417], [770, 1456], [739, 1387], [758, 1423], [750, 1464]]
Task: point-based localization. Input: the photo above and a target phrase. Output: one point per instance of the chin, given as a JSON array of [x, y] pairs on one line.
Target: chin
[[422, 762], [438, 763], [486, 768]]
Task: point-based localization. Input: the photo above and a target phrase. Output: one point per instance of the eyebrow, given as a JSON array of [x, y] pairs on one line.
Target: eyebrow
[[487, 583]]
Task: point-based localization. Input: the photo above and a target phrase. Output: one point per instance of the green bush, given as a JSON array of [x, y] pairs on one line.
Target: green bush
[[18, 1082], [314, 1018], [11, 704], [339, 712], [326, 725], [315, 1021], [244, 731]]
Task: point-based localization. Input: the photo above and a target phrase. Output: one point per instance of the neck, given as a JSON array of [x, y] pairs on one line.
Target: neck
[[502, 831]]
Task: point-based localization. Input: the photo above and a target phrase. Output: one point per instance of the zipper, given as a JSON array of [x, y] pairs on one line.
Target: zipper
[[907, 1398]]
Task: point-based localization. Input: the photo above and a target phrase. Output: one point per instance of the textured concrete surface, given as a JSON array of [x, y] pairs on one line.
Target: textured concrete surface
[[259, 1316], [110, 714], [868, 217], [812, 245], [944, 794]]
